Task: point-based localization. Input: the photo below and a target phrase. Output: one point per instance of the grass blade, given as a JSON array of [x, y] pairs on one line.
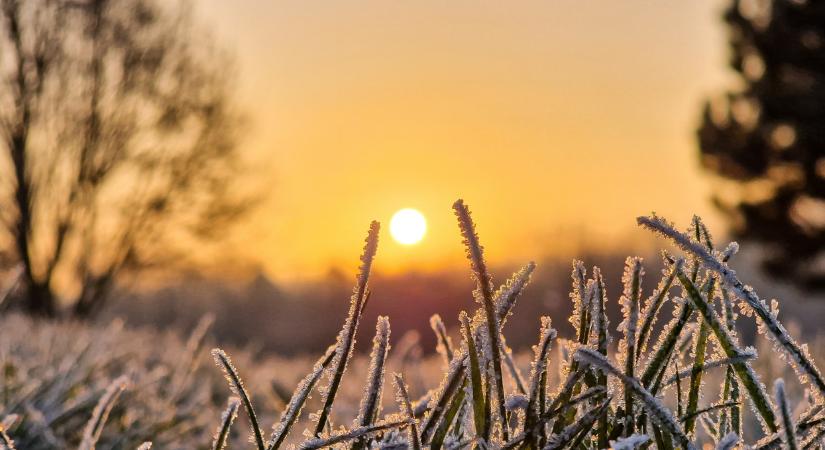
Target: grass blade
[[474, 369], [600, 324], [94, 427], [699, 353], [508, 293], [711, 408], [449, 417], [237, 387], [371, 402], [346, 338], [652, 306], [747, 355], [299, 398], [350, 435], [666, 344], [728, 442], [731, 348], [788, 427], [658, 412], [475, 254], [558, 441], [453, 380], [228, 416], [403, 398], [444, 345], [632, 280], [539, 369], [507, 358], [731, 383]]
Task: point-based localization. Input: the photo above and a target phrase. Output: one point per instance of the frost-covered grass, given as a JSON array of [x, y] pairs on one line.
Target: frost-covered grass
[[677, 382]]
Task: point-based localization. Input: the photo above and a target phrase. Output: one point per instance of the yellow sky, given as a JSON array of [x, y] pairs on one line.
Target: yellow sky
[[558, 121]]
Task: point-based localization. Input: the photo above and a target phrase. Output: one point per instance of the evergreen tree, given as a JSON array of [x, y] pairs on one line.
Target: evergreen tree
[[765, 140]]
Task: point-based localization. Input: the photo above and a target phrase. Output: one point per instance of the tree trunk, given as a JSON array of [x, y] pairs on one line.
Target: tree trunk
[[39, 297], [40, 300]]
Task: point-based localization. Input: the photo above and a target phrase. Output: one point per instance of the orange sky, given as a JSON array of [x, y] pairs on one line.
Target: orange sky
[[558, 121]]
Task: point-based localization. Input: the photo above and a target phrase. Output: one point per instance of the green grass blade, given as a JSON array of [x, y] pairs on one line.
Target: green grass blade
[[652, 306], [475, 375], [560, 440], [743, 370], [448, 418], [453, 380], [658, 412], [602, 343], [747, 355], [475, 254], [539, 369], [695, 414], [699, 354], [508, 293], [666, 344], [799, 357]]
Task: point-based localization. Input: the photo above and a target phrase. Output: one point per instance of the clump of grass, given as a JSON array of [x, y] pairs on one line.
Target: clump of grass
[[606, 397], [582, 413], [101, 412]]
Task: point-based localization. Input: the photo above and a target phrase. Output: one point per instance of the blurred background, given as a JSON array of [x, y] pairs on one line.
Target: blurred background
[[164, 160]]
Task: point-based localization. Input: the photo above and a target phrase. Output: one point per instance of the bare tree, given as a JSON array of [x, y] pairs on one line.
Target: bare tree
[[120, 137]]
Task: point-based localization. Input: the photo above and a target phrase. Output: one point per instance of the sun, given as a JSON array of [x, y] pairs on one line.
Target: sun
[[408, 226]]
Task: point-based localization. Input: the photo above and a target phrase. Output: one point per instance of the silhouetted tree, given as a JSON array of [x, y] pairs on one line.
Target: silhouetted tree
[[118, 143], [766, 138]]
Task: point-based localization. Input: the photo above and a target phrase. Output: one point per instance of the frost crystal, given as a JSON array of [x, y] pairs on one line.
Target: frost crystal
[[580, 299], [600, 321], [629, 443], [728, 442], [508, 293], [516, 402]]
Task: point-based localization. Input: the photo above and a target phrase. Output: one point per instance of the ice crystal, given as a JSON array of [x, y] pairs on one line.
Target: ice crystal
[[631, 442]]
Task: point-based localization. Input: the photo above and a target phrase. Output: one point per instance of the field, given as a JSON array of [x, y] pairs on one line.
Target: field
[[654, 380]]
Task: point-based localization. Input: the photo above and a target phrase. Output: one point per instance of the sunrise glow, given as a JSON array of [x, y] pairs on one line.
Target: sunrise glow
[[408, 226]]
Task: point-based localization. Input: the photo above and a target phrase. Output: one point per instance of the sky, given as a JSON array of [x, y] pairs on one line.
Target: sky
[[558, 122]]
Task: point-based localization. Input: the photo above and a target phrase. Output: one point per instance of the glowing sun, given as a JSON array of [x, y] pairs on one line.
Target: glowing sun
[[408, 226]]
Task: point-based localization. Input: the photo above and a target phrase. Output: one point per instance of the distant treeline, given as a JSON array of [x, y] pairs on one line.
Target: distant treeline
[[305, 318]]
